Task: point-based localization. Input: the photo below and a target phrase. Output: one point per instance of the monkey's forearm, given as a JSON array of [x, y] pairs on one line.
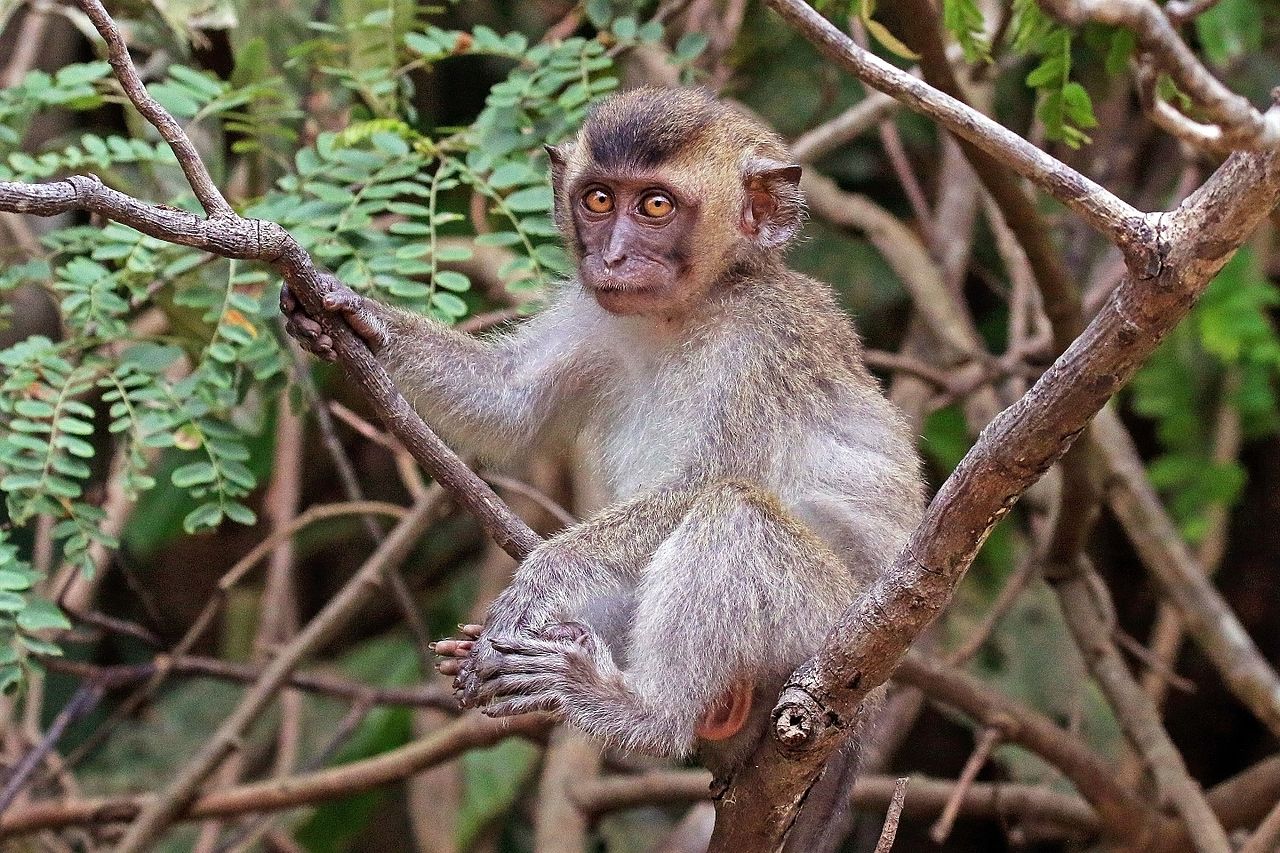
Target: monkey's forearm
[[491, 397]]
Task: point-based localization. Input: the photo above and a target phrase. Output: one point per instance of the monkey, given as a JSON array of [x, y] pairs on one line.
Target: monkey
[[759, 478]]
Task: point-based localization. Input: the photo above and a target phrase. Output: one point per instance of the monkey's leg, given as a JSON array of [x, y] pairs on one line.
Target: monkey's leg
[[739, 593], [597, 559]]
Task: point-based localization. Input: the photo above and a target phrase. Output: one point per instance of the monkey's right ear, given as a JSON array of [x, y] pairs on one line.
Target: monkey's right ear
[[559, 157]]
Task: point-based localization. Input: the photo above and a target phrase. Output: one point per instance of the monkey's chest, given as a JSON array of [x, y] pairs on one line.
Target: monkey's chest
[[641, 435]]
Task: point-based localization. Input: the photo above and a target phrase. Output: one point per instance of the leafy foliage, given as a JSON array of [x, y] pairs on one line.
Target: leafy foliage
[[1065, 107], [1226, 355], [384, 201]]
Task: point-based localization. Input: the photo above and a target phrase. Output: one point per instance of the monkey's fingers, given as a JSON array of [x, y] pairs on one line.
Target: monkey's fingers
[[452, 648], [472, 630], [355, 309], [523, 705], [524, 645]]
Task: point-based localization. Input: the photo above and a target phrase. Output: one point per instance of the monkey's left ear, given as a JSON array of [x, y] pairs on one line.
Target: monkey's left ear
[[773, 209]]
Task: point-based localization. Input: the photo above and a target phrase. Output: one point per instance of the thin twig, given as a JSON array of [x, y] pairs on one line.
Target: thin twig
[[987, 742], [1185, 584], [243, 837], [890, 829], [81, 703], [1079, 596], [353, 595], [468, 732], [426, 696]]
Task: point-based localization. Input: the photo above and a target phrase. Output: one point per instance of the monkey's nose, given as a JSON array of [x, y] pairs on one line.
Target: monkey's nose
[[613, 257]]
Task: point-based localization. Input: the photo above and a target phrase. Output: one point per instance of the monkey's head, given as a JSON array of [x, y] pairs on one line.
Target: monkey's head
[[663, 190]]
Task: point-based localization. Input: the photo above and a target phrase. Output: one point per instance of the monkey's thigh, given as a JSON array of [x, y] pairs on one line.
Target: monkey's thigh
[[739, 589]]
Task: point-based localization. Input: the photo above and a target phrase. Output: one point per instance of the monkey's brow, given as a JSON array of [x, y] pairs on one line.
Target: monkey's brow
[[648, 134]]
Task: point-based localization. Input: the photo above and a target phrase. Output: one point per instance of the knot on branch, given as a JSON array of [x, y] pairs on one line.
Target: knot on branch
[[84, 186], [1140, 242], [273, 240], [800, 721]]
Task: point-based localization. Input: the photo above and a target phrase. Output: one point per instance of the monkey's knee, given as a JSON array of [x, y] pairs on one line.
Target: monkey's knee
[[738, 493]]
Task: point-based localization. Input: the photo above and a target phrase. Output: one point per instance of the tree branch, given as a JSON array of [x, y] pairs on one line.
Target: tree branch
[[821, 699], [1242, 126], [1118, 221], [468, 732]]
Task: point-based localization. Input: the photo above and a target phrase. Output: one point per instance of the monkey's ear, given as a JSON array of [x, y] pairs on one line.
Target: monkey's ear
[[773, 209], [559, 157]]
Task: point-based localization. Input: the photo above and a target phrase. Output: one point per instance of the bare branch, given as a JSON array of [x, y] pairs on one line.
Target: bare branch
[[188, 158], [1120, 222], [182, 790], [987, 742], [1242, 126], [468, 732], [890, 830], [1088, 619], [425, 696], [853, 122], [1185, 584]]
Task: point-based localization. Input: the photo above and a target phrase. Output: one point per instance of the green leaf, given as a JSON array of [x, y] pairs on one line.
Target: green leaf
[[194, 474], [691, 46], [41, 614], [205, 516], [451, 280]]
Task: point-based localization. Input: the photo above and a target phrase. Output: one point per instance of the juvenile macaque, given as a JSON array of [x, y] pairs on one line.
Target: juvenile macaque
[[759, 477]]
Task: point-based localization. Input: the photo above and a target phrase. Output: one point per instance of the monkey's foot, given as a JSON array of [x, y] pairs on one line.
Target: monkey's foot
[[546, 672], [340, 303]]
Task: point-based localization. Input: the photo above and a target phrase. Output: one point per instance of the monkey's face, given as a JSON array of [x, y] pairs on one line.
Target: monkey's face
[[634, 240]]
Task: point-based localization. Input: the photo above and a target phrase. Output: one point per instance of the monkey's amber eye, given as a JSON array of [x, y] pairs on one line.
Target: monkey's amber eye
[[657, 205], [597, 200]]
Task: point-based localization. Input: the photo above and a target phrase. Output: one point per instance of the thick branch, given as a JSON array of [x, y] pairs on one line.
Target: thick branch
[[821, 699]]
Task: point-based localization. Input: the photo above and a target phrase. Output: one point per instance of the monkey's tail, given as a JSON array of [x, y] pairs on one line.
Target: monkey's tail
[[827, 816]]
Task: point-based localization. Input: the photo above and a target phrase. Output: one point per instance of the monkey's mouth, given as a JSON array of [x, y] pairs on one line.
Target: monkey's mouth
[[616, 286]]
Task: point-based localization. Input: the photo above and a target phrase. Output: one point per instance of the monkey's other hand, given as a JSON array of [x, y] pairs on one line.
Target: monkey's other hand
[[542, 672], [341, 303]]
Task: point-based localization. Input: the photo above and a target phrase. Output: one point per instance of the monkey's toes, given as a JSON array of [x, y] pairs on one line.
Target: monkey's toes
[[452, 648]]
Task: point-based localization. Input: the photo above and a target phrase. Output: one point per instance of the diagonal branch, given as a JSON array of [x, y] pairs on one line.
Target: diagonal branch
[[821, 700], [192, 166]]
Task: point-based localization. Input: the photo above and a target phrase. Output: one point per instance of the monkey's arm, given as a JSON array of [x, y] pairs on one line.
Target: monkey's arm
[[495, 397]]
